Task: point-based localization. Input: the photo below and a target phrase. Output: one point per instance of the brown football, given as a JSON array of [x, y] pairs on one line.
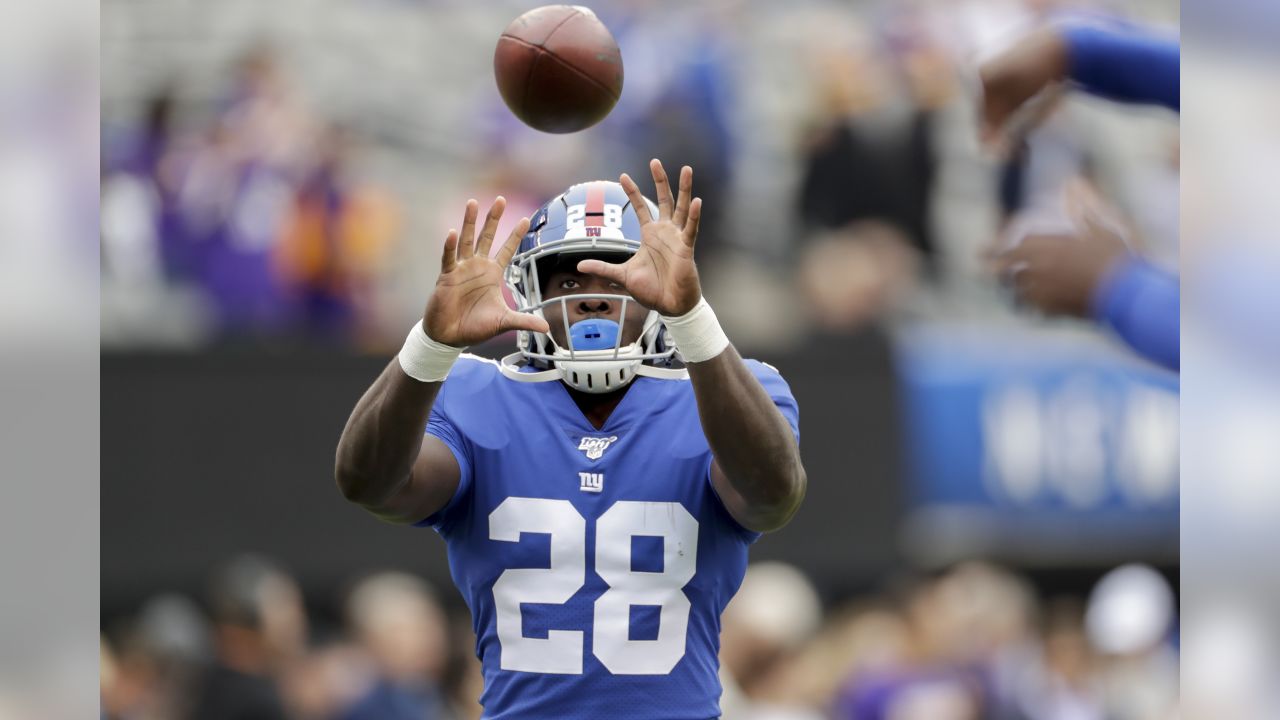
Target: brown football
[[558, 68]]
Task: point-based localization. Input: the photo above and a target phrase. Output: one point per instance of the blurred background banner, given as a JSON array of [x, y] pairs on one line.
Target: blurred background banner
[[1011, 448], [992, 494]]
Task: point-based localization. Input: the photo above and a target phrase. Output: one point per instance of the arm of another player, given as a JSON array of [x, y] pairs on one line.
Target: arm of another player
[[757, 470], [1143, 304], [1093, 274], [385, 461], [1127, 66]]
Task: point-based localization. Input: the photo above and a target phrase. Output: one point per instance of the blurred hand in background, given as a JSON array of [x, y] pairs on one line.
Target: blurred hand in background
[[1059, 274], [1012, 78]]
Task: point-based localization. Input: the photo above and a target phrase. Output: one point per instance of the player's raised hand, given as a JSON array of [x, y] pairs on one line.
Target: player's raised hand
[[467, 306], [1012, 85], [1059, 274], [661, 275]]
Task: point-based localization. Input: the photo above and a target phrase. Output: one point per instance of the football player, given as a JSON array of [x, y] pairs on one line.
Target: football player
[[597, 489]]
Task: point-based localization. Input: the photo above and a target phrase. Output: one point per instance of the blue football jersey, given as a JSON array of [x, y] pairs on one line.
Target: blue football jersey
[[596, 563]]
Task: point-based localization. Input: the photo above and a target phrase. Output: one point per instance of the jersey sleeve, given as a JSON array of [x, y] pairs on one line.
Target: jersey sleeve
[[779, 392], [1143, 305], [440, 426], [467, 378], [1125, 66]]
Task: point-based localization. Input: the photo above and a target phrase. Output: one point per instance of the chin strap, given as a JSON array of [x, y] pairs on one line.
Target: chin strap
[[511, 370]]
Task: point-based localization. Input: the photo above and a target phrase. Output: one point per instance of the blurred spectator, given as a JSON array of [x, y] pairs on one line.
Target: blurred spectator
[[329, 677], [967, 631], [110, 682], [862, 638], [141, 179], [264, 110], [855, 274], [152, 669], [680, 94], [400, 628], [235, 205], [334, 242], [869, 153], [774, 612], [148, 259], [465, 676], [259, 628], [1065, 687], [1129, 622]]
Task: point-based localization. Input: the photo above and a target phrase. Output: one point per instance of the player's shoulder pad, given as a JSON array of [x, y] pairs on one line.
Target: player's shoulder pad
[[471, 373]]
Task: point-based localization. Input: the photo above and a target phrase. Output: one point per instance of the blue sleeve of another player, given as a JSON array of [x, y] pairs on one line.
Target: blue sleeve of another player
[[439, 425], [1143, 305], [1125, 66]]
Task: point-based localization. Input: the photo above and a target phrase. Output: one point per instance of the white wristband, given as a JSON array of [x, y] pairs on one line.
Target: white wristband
[[424, 359], [697, 333]]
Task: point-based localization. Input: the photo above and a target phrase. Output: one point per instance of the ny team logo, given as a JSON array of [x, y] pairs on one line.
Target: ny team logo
[[591, 482], [594, 447]]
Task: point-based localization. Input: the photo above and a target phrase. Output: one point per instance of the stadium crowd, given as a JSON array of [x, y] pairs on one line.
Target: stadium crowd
[[270, 199], [255, 209], [973, 642]]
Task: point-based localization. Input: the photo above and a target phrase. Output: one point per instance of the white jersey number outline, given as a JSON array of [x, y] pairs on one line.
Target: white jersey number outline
[[561, 651]]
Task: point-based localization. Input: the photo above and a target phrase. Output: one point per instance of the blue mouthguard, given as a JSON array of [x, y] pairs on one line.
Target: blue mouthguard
[[594, 334]]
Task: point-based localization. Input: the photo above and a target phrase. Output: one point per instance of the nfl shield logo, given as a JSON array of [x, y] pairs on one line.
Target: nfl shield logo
[[594, 447]]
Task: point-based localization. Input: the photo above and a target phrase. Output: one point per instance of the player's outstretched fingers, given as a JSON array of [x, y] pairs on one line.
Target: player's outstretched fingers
[[1007, 272], [508, 249], [485, 243], [662, 189], [467, 237], [450, 257], [691, 227], [1020, 263], [608, 271], [1009, 262], [523, 321], [681, 215], [637, 200]]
